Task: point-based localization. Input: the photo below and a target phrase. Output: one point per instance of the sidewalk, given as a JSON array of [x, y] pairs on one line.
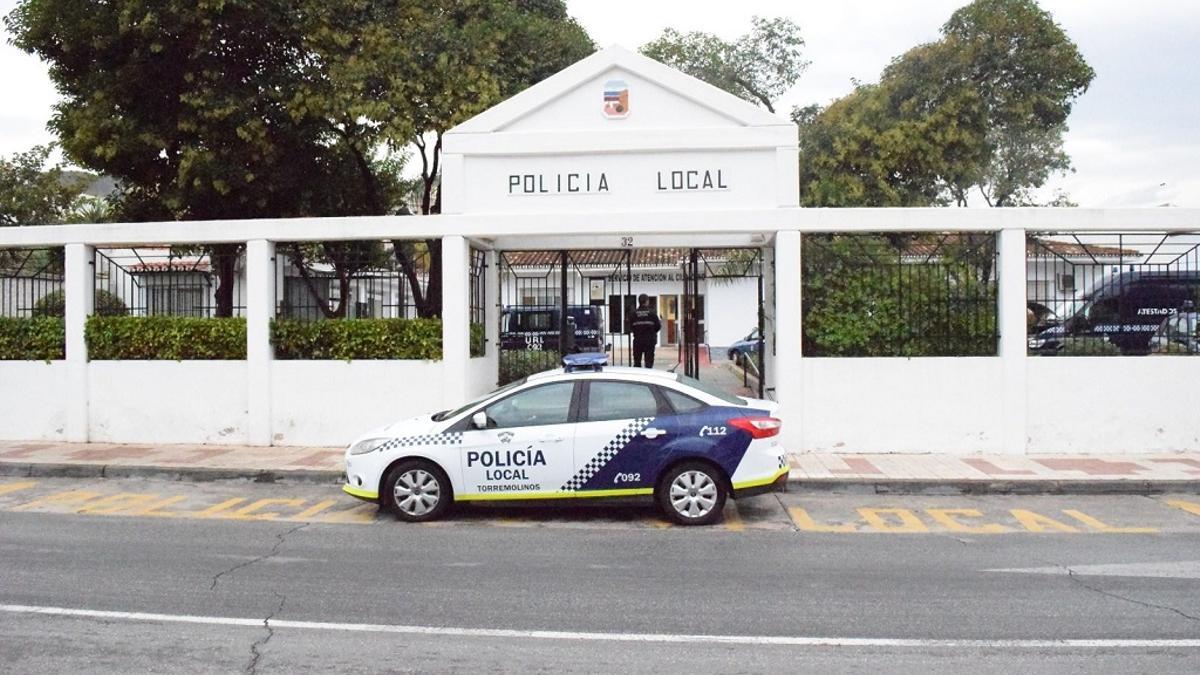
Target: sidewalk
[[974, 474]]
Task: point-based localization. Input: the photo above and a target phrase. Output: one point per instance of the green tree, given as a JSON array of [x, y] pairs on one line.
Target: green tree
[[983, 109], [31, 194], [758, 66]]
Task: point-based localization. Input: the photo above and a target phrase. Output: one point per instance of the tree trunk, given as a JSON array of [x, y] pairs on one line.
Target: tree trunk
[[224, 263]]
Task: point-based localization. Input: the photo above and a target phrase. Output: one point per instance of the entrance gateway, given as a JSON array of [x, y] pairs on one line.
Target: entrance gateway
[[677, 146]]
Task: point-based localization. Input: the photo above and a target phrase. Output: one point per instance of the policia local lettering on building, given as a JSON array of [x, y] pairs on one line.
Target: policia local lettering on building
[[689, 180], [645, 332]]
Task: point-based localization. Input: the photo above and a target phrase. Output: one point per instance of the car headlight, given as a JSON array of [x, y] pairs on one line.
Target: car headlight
[[369, 445], [1036, 343]]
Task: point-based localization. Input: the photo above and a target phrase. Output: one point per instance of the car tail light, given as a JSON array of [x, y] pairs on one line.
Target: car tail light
[[758, 427]]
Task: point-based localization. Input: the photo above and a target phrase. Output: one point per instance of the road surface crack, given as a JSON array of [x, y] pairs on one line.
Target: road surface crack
[[257, 645], [1073, 576], [274, 550]]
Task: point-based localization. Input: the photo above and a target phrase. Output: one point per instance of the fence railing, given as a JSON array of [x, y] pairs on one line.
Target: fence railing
[[31, 282]]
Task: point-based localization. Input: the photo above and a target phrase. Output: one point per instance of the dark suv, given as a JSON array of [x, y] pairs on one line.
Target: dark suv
[[1125, 310], [536, 328]]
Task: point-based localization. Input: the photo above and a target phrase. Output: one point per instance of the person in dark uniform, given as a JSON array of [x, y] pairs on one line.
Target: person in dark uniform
[[645, 332]]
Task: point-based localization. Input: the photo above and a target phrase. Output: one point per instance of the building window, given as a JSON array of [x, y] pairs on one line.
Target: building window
[[1066, 283]]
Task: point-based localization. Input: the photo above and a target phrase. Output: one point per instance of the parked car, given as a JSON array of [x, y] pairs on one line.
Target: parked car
[[1179, 333], [537, 328], [586, 430], [1126, 309], [744, 347]]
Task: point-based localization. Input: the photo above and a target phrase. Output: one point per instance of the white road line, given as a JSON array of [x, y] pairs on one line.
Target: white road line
[[785, 641]]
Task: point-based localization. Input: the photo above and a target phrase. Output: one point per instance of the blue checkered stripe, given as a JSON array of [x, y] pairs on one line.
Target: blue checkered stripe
[[610, 450], [423, 439]]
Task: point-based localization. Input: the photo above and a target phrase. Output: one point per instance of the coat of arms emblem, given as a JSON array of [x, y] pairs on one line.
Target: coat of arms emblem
[[616, 99]]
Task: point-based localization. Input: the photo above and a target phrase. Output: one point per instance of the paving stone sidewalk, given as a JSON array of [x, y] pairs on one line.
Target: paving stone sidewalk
[[877, 472]]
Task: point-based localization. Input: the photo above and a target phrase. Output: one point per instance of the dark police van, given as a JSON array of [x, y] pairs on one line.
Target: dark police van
[[1126, 310], [537, 328]]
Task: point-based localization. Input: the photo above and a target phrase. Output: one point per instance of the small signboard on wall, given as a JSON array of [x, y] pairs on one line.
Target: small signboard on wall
[[596, 291]]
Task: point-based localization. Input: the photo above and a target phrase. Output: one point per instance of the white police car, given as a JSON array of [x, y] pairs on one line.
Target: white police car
[[584, 431]]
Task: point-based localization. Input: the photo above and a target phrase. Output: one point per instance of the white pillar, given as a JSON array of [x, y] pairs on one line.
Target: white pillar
[[456, 344], [789, 389], [1011, 311], [79, 288], [260, 309]]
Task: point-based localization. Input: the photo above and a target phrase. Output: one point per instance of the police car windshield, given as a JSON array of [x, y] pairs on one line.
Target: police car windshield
[[447, 414], [711, 391]]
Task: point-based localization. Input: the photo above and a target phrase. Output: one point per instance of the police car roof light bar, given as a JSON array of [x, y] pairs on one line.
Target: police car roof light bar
[[585, 361]]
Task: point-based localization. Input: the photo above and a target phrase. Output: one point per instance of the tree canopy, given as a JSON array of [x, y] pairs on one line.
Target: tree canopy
[[32, 194], [983, 109], [758, 66]]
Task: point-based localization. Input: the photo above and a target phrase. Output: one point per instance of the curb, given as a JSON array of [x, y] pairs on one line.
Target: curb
[[173, 473], [899, 486]]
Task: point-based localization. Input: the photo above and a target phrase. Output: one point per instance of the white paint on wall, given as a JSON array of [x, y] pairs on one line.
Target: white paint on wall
[[328, 403], [167, 402], [33, 400]]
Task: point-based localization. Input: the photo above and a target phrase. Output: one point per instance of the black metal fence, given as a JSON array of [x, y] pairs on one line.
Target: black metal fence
[[355, 280], [1101, 294], [899, 294], [200, 281], [478, 300], [31, 282]]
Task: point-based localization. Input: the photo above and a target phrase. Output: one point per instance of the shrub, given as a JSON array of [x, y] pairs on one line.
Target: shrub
[[54, 304], [478, 340], [517, 364], [1088, 346], [168, 338], [349, 339], [32, 339]]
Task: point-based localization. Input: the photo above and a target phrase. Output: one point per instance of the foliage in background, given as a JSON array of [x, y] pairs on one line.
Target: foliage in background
[[982, 109], [165, 338], [517, 364], [31, 194], [350, 339], [32, 339], [860, 299], [54, 304], [478, 340], [758, 67]]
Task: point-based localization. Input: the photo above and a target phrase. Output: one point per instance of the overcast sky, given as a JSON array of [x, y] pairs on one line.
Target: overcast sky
[[1135, 135]]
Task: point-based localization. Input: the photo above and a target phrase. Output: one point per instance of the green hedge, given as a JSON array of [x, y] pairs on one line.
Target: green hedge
[[165, 338], [517, 364], [55, 304], [349, 339], [36, 339], [478, 340]]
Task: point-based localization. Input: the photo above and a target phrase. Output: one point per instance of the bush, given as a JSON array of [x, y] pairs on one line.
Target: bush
[[54, 304], [167, 338], [517, 364], [350, 339], [37, 339], [1088, 346], [478, 340]]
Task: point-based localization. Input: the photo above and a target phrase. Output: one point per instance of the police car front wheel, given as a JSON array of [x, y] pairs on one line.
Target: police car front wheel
[[417, 491], [692, 493]]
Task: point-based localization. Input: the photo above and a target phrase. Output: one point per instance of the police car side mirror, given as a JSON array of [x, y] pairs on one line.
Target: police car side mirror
[[479, 420]]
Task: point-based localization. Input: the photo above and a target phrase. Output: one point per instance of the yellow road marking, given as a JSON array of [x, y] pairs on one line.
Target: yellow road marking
[[153, 509], [69, 497], [215, 509], [909, 522], [1036, 522], [363, 513], [314, 510], [1100, 526], [251, 512], [805, 522], [1191, 507], [13, 487], [118, 502], [733, 518], [949, 519]]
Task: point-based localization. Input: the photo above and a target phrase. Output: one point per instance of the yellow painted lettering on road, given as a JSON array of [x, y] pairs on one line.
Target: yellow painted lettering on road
[[251, 512], [118, 502], [949, 519], [16, 487], [59, 499], [155, 509], [216, 509], [805, 522], [907, 520], [314, 510], [1036, 522], [1191, 507], [1100, 526]]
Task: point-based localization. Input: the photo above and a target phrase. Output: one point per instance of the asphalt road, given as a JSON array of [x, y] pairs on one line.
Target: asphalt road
[[941, 584]]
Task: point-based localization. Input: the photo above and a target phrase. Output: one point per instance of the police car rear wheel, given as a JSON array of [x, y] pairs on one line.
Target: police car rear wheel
[[692, 494], [417, 491]]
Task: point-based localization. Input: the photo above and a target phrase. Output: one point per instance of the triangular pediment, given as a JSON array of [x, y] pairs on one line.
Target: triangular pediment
[[616, 89]]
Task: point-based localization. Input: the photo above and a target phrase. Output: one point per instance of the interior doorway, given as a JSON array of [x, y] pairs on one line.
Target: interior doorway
[[668, 313]]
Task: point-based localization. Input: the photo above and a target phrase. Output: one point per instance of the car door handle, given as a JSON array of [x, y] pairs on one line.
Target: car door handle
[[652, 433], [550, 439]]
